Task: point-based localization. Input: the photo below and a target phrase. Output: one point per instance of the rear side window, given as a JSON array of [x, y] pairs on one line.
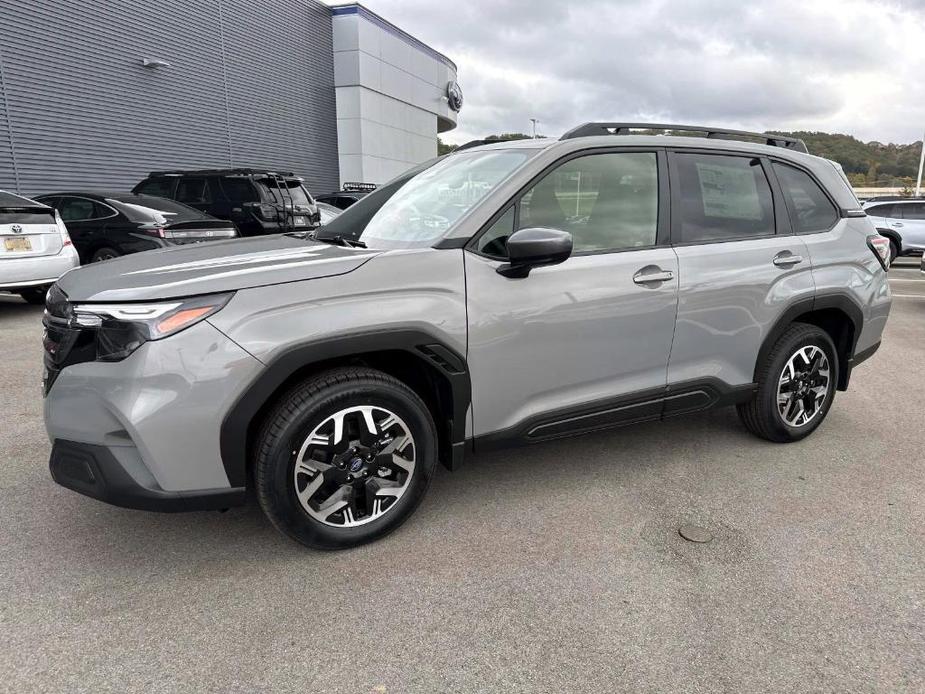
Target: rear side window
[[161, 186], [82, 209], [887, 211], [810, 209], [913, 210], [723, 198], [239, 190], [193, 190]]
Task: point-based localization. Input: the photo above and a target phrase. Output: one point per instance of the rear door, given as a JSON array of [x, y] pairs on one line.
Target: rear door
[[195, 192], [86, 221], [28, 232], [739, 265], [913, 225]]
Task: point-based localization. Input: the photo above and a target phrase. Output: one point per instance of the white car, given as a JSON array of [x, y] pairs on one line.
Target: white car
[[35, 249], [902, 221]]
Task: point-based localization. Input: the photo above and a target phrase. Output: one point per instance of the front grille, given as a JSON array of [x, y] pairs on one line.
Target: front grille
[[64, 341]]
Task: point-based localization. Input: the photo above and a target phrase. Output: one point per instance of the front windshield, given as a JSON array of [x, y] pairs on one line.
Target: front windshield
[[426, 205]]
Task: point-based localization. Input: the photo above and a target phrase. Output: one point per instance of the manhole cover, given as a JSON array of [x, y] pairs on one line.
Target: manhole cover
[[694, 533]]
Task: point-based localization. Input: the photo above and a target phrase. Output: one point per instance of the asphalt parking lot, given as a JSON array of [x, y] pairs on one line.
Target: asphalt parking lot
[[552, 568]]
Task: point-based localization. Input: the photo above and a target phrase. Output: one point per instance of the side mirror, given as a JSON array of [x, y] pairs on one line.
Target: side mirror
[[530, 248]]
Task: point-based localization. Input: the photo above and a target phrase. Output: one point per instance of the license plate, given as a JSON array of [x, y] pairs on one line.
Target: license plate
[[299, 221], [17, 245]]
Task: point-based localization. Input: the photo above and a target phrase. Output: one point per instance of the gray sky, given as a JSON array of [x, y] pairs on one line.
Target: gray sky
[[850, 66]]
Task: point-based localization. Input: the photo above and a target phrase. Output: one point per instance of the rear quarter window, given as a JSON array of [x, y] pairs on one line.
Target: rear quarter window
[[810, 208]]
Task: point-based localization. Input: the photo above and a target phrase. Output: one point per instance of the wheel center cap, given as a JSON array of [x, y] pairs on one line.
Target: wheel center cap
[[356, 464]]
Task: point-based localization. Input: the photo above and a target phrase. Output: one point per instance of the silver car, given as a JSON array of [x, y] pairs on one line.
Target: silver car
[[35, 249], [506, 294], [902, 221]]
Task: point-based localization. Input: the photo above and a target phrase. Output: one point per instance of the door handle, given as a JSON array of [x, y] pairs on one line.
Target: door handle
[[787, 259], [655, 274], [896, 224]]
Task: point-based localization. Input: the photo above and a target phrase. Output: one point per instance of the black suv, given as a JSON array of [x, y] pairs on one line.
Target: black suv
[[258, 201]]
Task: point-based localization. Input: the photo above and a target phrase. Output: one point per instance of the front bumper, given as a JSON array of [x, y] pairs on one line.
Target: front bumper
[[144, 432], [39, 271]]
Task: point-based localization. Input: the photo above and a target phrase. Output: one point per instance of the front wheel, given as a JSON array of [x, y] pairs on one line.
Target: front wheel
[[796, 386], [345, 458]]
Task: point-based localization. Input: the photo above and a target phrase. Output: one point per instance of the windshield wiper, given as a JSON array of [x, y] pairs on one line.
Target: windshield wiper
[[340, 241]]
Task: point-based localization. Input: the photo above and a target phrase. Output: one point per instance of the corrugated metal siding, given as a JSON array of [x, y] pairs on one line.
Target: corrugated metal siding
[[85, 113]]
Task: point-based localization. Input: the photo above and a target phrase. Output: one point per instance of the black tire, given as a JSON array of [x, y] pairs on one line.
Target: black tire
[[104, 253], [306, 406], [894, 251], [34, 295], [761, 415]]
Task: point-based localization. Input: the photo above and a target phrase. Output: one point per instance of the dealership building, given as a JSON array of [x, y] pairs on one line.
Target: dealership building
[[95, 94]]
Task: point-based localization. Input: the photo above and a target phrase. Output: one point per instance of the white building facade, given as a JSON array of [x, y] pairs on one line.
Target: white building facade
[[394, 94]]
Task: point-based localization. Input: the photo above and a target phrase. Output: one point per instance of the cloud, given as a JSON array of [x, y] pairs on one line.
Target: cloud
[[852, 66]]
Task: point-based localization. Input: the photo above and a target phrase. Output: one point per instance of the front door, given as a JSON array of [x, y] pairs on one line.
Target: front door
[[584, 344]]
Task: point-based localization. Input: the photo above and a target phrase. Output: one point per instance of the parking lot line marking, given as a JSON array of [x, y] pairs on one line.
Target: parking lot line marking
[[899, 279], [908, 296]]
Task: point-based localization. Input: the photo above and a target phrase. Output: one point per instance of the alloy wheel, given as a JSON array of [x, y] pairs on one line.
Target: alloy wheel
[[354, 466], [803, 386]]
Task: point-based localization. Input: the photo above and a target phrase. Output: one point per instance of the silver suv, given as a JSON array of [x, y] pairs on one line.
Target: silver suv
[[902, 221], [505, 294]]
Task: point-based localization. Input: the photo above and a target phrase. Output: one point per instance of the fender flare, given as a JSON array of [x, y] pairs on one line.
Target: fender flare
[[235, 427], [837, 300]]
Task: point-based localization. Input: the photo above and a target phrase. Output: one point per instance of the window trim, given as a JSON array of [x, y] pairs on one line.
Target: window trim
[[777, 201], [115, 213], [663, 223], [839, 213]]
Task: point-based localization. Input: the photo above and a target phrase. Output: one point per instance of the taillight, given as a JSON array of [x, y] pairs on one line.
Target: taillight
[[880, 245], [62, 230], [152, 230]]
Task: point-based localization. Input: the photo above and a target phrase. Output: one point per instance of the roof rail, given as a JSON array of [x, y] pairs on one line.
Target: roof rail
[[592, 129], [223, 172], [491, 141], [895, 198]]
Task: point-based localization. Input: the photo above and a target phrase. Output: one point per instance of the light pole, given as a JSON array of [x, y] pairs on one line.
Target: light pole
[[535, 121], [918, 182]]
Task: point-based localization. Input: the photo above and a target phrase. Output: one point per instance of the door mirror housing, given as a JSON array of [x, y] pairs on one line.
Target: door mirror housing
[[535, 247]]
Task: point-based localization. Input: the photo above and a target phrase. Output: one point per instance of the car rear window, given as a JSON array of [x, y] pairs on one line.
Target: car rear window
[[34, 216], [294, 188], [147, 209]]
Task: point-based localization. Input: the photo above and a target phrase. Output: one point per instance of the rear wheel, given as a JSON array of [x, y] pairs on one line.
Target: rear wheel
[[894, 251], [796, 386], [105, 253], [34, 295], [345, 458]]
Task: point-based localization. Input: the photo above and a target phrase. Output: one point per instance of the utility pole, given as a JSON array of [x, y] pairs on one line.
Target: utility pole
[[535, 121], [918, 183]]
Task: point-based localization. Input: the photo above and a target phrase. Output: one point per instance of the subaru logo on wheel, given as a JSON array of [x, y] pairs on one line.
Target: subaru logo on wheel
[[16, 229], [356, 464]]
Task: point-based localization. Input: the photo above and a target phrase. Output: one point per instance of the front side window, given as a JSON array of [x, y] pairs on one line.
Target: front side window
[[723, 198], [607, 202], [810, 209]]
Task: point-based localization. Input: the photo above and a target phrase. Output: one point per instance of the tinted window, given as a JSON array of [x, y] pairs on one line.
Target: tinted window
[[81, 209], [161, 185], [810, 209], [194, 190], [239, 190], [913, 210], [605, 201], [882, 211], [723, 197], [291, 188]]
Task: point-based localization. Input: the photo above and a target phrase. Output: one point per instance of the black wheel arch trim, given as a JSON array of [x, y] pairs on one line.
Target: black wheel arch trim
[[830, 300], [233, 438]]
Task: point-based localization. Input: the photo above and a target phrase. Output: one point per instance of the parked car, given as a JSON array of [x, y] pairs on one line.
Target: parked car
[[902, 221], [258, 201], [107, 225], [351, 193], [35, 248], [572, 290], [328, 213]]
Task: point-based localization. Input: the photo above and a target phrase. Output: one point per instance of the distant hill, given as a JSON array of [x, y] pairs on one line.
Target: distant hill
[[866, 163]]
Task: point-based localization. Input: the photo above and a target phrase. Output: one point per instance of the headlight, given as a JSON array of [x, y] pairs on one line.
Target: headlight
[[123, 328]]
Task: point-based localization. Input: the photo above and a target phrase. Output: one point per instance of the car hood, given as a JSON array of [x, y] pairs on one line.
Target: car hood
[[210, 267]]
